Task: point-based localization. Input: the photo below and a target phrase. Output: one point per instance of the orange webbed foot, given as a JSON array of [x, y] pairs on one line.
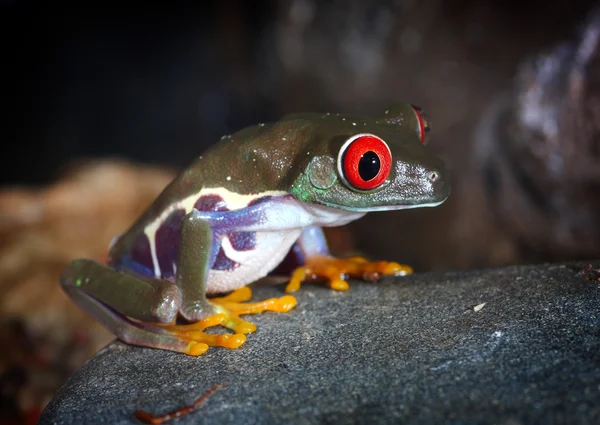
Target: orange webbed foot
[[337, 270], [235, 304], [228, 310], [198, 340]]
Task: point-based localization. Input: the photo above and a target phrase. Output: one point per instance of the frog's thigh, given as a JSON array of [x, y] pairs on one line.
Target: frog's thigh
[[141, 298], [109, 296]]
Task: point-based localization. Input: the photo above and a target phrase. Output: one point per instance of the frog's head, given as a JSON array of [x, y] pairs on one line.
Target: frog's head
[[371, 164]]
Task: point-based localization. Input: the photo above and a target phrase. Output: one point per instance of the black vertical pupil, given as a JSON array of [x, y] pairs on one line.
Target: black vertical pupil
[[369, 165]]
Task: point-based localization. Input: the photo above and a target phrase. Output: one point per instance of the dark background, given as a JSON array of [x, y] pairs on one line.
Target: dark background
[[158, 84]]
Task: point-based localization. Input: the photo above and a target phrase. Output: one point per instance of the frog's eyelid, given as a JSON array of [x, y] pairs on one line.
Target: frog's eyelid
[[423, 126]]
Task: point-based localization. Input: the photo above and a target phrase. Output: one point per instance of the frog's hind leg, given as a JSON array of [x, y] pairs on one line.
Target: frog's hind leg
[[137, 309]]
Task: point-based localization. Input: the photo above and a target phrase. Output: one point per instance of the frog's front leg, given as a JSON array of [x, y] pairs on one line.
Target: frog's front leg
[[198, 237], [313, 254]]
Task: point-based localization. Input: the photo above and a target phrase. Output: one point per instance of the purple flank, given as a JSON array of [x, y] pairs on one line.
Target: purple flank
[[242, 241], [167, 242], [222, 262], [211, 203], [140, 257], [259, 200], [167, 238]]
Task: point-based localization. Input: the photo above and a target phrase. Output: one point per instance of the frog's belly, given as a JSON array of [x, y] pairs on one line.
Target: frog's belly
[[236, 268]]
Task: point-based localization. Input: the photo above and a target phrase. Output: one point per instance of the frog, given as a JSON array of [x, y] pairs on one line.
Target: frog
[[254, 201]]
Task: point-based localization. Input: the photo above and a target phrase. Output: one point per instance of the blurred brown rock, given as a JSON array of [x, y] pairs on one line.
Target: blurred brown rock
[[44, 334], [532, 183]]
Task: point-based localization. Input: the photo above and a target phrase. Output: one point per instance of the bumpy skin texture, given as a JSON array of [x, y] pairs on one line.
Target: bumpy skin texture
[[233, 215]]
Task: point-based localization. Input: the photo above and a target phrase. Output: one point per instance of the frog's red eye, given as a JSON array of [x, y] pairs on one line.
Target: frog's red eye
[[365, 161], [423, 126]]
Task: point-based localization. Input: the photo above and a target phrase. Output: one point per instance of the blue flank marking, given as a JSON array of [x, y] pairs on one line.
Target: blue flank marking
[[136, 267]]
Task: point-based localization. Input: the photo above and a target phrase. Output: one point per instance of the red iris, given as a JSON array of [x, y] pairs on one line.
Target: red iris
[[366, 162]]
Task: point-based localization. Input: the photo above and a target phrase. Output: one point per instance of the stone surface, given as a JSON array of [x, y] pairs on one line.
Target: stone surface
[[417, 350]]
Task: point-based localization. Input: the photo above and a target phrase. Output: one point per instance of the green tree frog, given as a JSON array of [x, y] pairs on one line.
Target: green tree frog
[[257, 199]]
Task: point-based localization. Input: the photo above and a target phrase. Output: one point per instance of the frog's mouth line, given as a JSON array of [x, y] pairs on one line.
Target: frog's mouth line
[[384, 207]]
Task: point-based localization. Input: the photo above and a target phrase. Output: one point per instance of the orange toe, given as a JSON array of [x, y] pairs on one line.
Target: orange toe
[[336, 271]]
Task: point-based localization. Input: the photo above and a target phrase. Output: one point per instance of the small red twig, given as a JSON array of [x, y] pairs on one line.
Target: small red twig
[[149, 418]]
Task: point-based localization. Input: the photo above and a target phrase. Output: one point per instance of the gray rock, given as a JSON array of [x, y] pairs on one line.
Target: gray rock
[[408, 350]]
